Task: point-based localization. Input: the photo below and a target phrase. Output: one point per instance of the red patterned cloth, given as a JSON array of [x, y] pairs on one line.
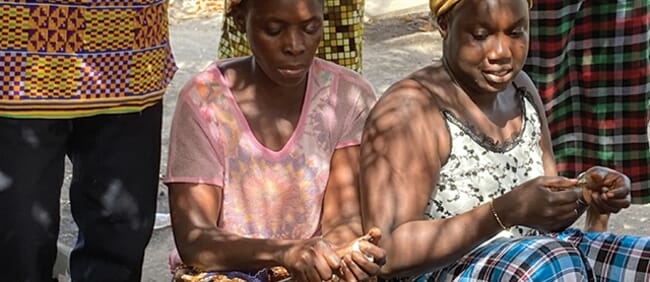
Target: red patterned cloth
[[591, 63]]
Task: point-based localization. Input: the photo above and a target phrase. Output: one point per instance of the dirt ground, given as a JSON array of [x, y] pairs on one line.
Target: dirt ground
[[392, 48]]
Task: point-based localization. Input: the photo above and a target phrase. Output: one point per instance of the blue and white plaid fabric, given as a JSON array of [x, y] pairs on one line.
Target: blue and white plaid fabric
[[612, 257], [567, 256]]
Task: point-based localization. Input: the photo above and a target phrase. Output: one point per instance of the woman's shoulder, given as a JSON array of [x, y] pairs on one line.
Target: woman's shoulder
[[411, 102], [211, 82], [528, 88], [217, 71], [420, 90], [409, 112], [346, 79], [207, 76], [327, 66], [523, 81]]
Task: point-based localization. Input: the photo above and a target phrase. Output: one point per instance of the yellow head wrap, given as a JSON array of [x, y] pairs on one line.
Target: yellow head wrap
[[440, 7]]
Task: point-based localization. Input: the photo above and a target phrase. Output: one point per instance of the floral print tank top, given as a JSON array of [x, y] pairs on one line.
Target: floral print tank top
[[478, 171]]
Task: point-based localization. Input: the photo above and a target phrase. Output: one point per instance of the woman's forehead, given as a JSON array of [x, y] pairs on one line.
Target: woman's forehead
[[487, 10], [440, 8], [284, 6], [257, 3]]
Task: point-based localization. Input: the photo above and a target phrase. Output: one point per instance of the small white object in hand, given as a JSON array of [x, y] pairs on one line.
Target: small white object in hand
[[357, 248]]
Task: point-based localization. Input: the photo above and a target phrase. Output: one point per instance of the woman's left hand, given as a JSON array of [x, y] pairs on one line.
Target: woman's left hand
[[606, 189]]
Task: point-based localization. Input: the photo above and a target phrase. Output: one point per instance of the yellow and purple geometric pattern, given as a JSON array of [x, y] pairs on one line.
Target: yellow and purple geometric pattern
[[65, 59]]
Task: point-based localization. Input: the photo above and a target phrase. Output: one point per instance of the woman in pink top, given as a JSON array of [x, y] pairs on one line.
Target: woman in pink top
[[263, 166]]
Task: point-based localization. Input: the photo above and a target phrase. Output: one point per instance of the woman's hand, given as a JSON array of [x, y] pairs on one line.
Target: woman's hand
[[361, 259], [311, 260], [316, 260], [607, 190], [546, 203], [173, 260]]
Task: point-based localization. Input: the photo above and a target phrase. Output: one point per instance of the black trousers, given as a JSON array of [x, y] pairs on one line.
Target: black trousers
[[116, 160]]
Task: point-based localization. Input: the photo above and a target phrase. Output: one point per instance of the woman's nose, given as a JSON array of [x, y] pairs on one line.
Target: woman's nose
[[500, 49], [294, 43]]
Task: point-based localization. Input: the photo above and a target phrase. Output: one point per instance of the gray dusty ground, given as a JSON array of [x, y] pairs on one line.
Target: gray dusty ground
[[392, 48]]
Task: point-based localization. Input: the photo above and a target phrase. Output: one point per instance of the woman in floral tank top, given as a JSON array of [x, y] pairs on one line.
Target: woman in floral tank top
[[458, 169]]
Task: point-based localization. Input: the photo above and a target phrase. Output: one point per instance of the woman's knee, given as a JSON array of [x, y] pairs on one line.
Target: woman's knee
[[550, 259]]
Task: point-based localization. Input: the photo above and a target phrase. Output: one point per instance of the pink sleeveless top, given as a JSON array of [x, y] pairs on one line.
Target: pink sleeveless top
[[267, 194]]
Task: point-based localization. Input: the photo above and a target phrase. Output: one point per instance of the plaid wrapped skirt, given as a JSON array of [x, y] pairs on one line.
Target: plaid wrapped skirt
[[567, 256], [342, 34], [591, 63]]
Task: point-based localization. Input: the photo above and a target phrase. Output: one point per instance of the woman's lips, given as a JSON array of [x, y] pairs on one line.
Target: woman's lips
[[498, 77], [292, 71]]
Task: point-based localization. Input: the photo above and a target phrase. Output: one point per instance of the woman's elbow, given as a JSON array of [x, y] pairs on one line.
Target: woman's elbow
[[200, 259], [193, 254]]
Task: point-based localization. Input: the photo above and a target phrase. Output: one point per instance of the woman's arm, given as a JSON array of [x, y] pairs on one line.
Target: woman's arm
[[195, 210], [405, 141], [341, 220], [405, 145]]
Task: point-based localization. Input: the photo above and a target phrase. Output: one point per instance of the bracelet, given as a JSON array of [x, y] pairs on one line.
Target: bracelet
[[496, 216]]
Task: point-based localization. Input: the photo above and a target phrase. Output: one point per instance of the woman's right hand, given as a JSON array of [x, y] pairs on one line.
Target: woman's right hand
[[546, 203], [362, 258], [173, 260], [607, 190], [311, 260]]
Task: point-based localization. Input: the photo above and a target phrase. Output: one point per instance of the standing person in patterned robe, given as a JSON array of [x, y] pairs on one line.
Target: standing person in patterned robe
[[342, 34], [83, 80], [591, 62]]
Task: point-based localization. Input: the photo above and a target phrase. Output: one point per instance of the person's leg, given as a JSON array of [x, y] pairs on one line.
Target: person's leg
[[113, 193], [595, 84], [524, 259], [32, 155], [555, 65], [613, 257], [551, 64]]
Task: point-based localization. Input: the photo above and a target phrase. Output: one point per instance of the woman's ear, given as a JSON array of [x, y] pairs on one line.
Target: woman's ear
[[442, 25]]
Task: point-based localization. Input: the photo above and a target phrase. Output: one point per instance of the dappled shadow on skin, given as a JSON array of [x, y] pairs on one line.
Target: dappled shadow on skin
[[402, 151], [385, 135]]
